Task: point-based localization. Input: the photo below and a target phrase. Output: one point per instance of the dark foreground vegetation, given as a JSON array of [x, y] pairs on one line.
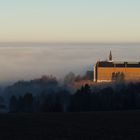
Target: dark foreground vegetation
[[71, 126], [109, 98], [47, 94], [45, 109]]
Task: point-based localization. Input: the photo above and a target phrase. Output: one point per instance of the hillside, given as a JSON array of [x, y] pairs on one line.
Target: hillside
[[71, 126]]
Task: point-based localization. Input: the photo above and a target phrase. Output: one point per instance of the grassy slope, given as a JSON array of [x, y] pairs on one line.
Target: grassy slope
[[71, 126]]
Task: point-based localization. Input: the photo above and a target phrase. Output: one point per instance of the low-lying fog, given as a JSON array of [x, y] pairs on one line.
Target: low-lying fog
[[29, 61]]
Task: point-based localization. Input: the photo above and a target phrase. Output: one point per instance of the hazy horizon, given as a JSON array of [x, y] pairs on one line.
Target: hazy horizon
[[26, 62]]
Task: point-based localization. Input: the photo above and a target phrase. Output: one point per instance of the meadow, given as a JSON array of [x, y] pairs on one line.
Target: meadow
[[71, 126]]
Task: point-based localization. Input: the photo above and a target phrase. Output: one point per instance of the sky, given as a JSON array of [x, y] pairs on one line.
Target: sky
[[70, 21]]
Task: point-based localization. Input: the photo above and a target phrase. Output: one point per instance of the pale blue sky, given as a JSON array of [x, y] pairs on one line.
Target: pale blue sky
[[70, 20]]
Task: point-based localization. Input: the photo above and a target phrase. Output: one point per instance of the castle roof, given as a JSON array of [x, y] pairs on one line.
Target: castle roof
[[118, 64]]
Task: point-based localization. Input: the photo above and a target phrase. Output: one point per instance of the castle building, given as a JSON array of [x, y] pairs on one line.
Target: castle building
[[109, 71]]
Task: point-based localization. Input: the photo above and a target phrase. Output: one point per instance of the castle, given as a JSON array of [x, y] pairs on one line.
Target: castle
[[109, 71]]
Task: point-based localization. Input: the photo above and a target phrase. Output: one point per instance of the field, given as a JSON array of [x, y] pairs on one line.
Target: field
[[71, 126]]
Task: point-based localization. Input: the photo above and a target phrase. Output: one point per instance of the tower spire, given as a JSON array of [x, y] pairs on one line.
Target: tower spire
[[110, 56]]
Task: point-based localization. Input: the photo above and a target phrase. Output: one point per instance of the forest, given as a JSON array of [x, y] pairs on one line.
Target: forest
[[47, 94]]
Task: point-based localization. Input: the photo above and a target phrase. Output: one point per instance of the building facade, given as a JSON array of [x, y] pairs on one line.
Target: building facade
[[108, 71]]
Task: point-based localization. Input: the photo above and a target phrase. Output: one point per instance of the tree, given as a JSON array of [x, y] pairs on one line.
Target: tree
[[13, 105], [82, 99], [21, 104], [88, 75], [2, 103], [69, 78], [28, 102], [118, 76]]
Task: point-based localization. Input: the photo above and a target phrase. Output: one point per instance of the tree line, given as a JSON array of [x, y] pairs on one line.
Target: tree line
[[114, 97]]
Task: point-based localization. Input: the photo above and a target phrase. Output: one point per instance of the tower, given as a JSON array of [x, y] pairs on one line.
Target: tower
[[110, 56]]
